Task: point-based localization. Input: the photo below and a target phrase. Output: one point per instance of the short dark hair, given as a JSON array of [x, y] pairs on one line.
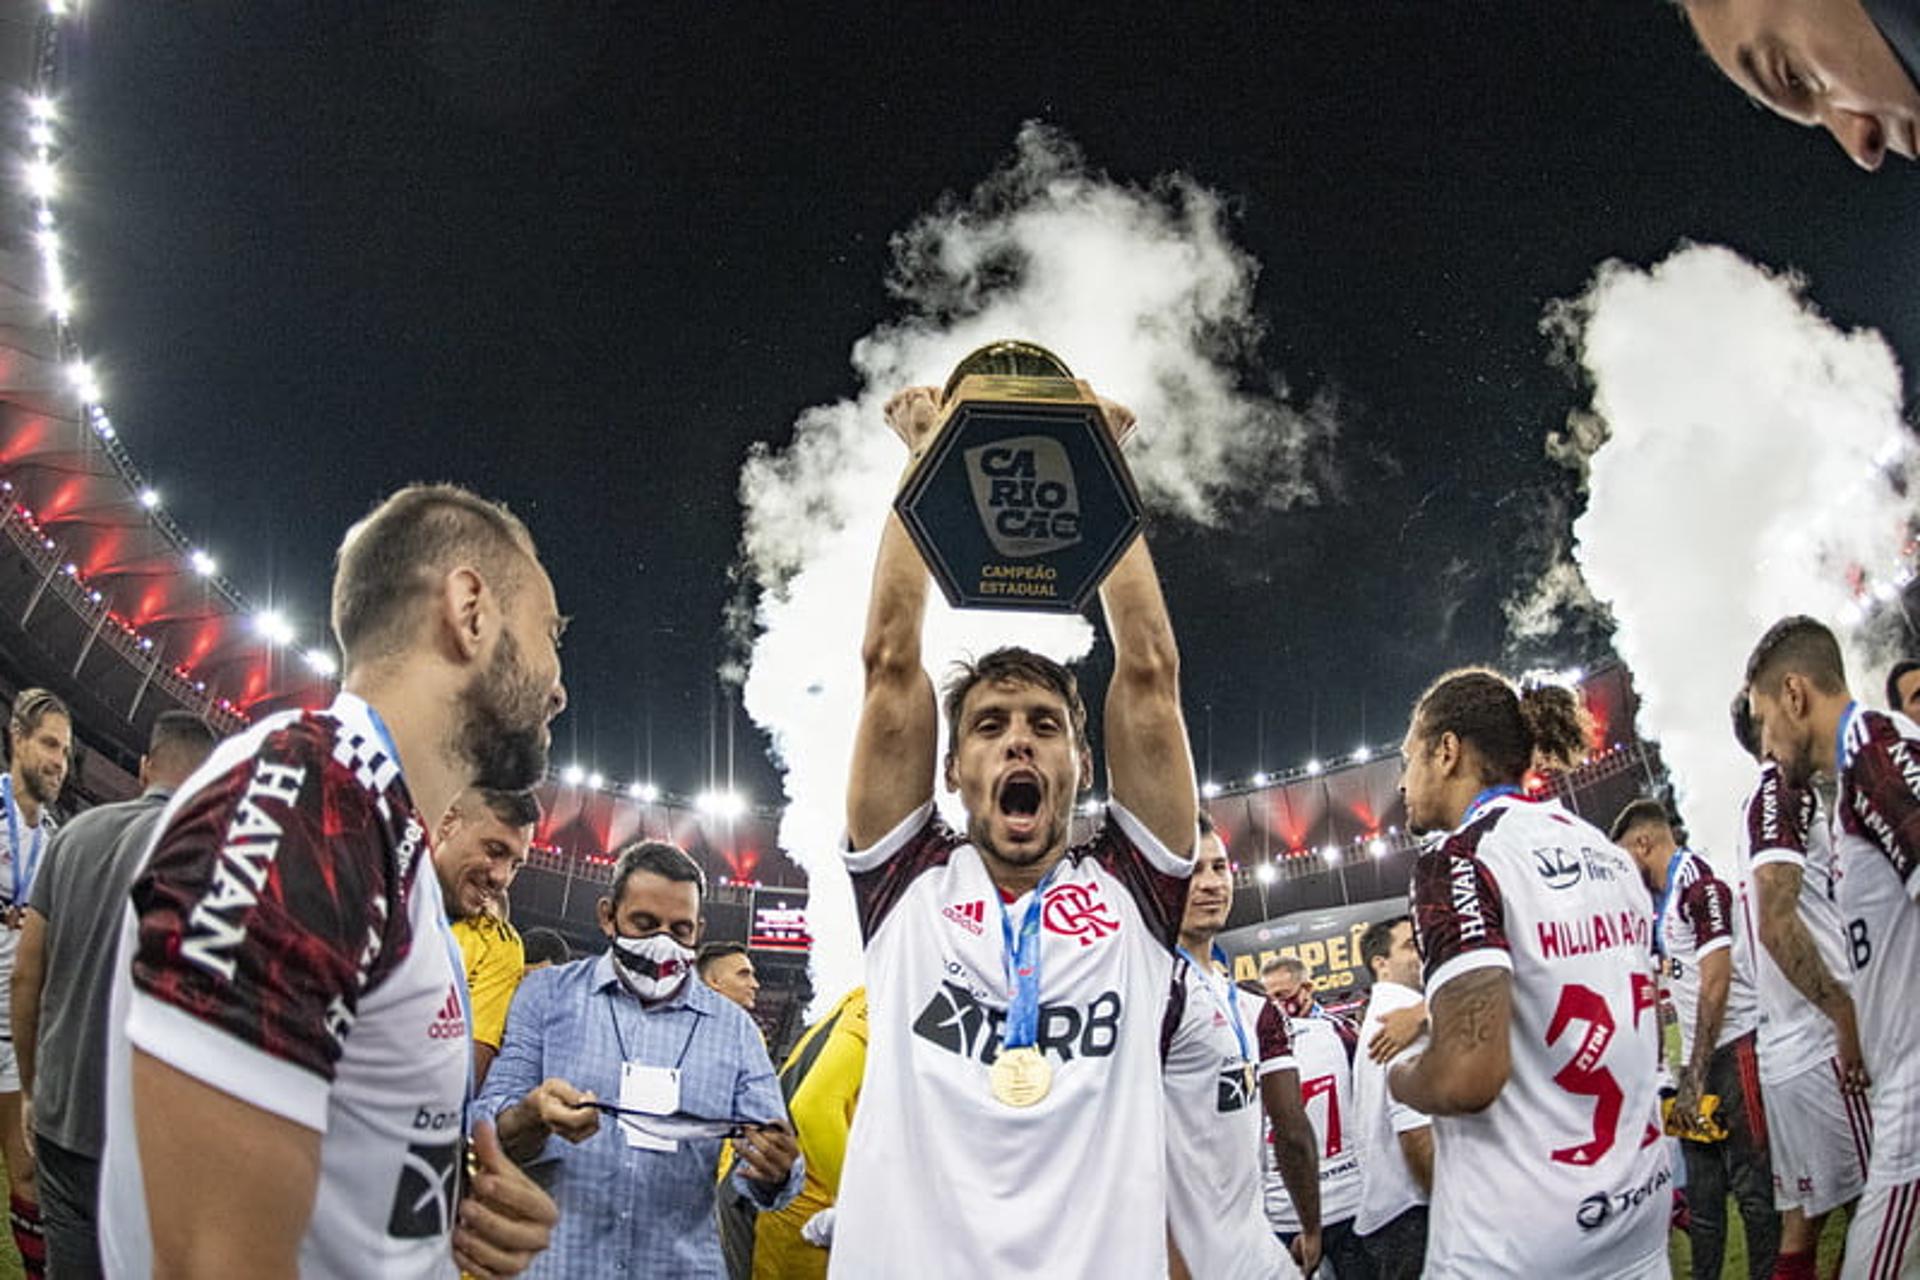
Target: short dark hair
[[1901, 669], [1377, 942], [34, 705], [656, 857], [1292, 964], [1505, 725], [545, 946], [1644, 812], [714, 952], [388, 559], [1205, 819], [515, 809], [1013, 665], [1744, 731], [1797, 646], [181, 740]]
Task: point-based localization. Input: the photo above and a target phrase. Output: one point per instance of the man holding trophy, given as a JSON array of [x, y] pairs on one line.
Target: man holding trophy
[[1011, 1121]]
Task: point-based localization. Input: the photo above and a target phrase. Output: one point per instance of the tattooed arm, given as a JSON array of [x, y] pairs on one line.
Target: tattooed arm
[[1466, 1065], [1716, 980], [1784, 934]]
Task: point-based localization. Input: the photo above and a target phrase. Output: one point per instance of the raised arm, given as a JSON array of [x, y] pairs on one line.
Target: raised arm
[[1149, 763], [895, 746]]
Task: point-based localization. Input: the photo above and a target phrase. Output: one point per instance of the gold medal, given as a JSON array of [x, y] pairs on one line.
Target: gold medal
[[1021, 1077]]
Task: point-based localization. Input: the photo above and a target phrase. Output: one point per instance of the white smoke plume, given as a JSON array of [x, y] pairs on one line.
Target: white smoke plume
[[1143, 293], [1745, 459]]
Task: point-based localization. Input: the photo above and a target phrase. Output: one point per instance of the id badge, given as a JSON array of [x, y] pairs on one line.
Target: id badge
[[654, 1090]]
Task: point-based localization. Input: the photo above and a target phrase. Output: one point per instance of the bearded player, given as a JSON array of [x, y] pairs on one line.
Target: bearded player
[[1808, 723], [1011, 1121], [1819, 1130], [1542, 1073]]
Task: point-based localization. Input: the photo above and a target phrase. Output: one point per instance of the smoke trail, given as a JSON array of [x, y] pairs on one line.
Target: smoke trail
[[1143, 293], [1745, 459]]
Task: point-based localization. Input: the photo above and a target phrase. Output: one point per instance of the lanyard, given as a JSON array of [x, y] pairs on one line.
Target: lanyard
[[1023, 966], [1666, 896], [1231, 1007], [613, 1012], [1488, 797], [1840, 741], [22, 878]]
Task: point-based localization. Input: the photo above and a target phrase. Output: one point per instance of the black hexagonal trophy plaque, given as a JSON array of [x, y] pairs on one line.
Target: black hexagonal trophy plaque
[[1023, 500]]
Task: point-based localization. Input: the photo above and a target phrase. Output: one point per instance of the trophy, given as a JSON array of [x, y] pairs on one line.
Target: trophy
[[1022, 501]]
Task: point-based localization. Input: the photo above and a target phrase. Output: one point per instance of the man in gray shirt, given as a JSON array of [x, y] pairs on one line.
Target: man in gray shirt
[[61, 981]]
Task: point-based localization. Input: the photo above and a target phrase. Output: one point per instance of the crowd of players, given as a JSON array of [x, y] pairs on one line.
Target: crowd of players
[[272, 1021]]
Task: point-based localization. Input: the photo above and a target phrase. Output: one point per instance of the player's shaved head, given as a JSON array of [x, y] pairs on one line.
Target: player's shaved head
[[391, 559]]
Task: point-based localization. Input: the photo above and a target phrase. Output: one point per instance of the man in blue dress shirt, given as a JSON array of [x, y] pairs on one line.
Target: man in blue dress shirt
[[629, 1029]]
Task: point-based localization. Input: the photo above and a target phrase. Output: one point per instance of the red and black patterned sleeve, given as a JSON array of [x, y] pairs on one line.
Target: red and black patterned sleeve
[[883, 874], [263, 909], [1459, 916], [1706, 906], [1156, 880], [1884, 785], [1779, 816], [1275, 1039]]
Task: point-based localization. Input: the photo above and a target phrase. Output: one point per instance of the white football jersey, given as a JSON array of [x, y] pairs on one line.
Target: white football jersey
[[1692, 920], [1565, 1173], [1320, 1055], [1877, 867], [1783, 825], [287, 945], [1387, 1187], [941, 1179], [1214, 1127]]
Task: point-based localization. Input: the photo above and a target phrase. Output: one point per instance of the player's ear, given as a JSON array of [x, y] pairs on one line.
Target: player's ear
[[604, 910], [950, 774], [1086, 768]]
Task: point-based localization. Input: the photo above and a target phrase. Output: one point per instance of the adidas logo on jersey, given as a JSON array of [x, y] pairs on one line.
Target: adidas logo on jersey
[[451, 1022], [971, 916]]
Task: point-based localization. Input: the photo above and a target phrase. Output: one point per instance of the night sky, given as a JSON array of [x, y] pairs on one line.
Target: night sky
[[581, 256]]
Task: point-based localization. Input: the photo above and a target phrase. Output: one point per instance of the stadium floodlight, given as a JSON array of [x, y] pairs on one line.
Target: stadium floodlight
[[1210, 789], [85, 385], [1260, 779], [1362, 754], [1265, 873], [273, 626], [40, 107], [1090, 806], [1377, 847], [321, 663], [203, 564], [1315, 768], [644, 792], [721, 804], [597, 780], [573, 775], [150, 498], [42, 182], [1331, 853]]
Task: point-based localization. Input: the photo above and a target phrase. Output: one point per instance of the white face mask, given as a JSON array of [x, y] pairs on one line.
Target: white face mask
[[652, 967]]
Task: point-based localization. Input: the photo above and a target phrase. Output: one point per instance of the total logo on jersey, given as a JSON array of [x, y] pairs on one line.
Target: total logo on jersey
[[959, 1023], [1597, 1208], [451, 1022]]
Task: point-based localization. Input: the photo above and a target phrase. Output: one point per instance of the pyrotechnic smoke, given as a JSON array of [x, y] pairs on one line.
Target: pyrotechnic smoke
[[1143, 293], [1745, 459]]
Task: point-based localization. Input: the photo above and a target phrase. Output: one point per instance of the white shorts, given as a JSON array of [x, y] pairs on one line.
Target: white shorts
[[1820, 1137], [9, 1068], [1884, 1241]]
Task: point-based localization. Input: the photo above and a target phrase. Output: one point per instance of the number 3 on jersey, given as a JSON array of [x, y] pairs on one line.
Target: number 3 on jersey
[[1584, 1075]]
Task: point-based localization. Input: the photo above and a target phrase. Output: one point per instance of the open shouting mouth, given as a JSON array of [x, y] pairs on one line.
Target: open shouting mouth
[[1021, 794]]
